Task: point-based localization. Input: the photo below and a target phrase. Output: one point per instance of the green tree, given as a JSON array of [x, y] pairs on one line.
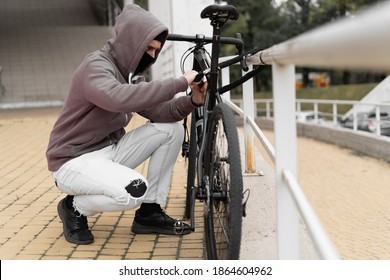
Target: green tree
[[263, 24], [326, 11], [261, 27], [262, 21], [142, 3]]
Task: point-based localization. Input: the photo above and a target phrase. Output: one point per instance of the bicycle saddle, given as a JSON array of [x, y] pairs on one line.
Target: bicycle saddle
[[214, 12]]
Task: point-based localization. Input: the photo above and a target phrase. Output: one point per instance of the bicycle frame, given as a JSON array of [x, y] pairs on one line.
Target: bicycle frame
[[213, 124], [213, 96]]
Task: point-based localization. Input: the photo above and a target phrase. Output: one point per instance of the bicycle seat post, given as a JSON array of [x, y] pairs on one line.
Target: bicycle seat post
[[214, 59], [218, 16]]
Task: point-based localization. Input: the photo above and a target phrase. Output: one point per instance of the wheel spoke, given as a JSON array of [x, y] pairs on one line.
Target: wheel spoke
[[223, 167], [220, 186]]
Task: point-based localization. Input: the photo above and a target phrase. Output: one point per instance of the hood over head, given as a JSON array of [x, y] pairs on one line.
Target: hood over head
[[135, 28]]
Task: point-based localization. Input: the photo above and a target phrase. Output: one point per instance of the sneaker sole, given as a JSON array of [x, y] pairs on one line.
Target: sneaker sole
[[139, 229], [66, 234]]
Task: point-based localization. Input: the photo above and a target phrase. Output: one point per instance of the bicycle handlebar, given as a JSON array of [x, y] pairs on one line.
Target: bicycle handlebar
[[206, 40], [238, 58], [201, 39], [241, 52]]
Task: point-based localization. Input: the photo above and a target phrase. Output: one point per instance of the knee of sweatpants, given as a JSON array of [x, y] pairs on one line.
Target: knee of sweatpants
[[137, 188]]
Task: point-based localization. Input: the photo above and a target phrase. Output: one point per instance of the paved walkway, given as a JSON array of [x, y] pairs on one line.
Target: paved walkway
[[350, 194], [40, 46], [348, 191], [30, 226]]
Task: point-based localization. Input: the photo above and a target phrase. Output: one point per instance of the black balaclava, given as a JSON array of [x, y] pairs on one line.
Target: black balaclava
[[146, 59]]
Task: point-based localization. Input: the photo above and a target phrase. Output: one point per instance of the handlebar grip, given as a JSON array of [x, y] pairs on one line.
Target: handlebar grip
[[240, 48]]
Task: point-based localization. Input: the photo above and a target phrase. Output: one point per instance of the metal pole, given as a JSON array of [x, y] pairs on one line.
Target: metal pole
[[268, 109], [316, 112], [283, 80], [248, 108], [355, 117], [377, 120], [321, 241], [334, 114]]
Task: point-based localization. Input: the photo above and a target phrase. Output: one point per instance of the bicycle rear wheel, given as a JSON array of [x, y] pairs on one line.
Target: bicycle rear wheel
[[223, 212]]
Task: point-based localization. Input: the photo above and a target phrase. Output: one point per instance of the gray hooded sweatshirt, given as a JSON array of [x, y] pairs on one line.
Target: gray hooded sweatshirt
[[101, 100]]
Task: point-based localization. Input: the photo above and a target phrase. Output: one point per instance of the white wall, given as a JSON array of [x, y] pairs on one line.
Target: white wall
[[181, 17]]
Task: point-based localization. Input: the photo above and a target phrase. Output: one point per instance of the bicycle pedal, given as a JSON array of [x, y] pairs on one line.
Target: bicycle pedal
[[178, 227]]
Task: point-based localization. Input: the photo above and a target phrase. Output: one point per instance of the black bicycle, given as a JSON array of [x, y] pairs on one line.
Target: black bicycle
[[212, 146]]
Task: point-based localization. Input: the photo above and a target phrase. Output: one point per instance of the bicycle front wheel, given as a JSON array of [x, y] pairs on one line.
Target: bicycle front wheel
[[191, 171], [223, 212]]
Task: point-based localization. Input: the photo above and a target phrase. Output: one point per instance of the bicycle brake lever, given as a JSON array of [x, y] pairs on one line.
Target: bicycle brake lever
[[198, 77]]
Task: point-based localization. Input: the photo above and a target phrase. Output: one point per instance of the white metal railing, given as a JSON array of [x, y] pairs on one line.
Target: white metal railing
[[377, 107], [260, 135], [317, 233], [361, 42]]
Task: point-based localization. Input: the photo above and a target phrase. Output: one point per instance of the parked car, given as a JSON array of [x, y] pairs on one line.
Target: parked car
[[368, 122], [309, 116]]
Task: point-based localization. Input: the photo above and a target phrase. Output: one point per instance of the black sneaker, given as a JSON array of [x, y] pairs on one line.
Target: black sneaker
[[75, 225], [159, 222]]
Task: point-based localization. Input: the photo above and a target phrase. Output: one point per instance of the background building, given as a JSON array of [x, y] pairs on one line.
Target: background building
[[42, 42]]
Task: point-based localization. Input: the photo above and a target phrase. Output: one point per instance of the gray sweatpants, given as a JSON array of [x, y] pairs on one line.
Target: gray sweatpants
[[98, 179]]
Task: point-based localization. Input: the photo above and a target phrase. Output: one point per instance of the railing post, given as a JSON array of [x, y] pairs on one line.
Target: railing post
[[316, 112], [248, 108], [334, 114], [283, 80], [268, 109], [377, 120]]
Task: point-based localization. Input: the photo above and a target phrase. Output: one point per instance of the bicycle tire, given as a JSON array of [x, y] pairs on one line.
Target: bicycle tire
[[223, 207], [191, 171]]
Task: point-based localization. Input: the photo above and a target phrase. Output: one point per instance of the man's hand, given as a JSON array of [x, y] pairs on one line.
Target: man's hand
[[198, 89], [190, 76], [199, 92]]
